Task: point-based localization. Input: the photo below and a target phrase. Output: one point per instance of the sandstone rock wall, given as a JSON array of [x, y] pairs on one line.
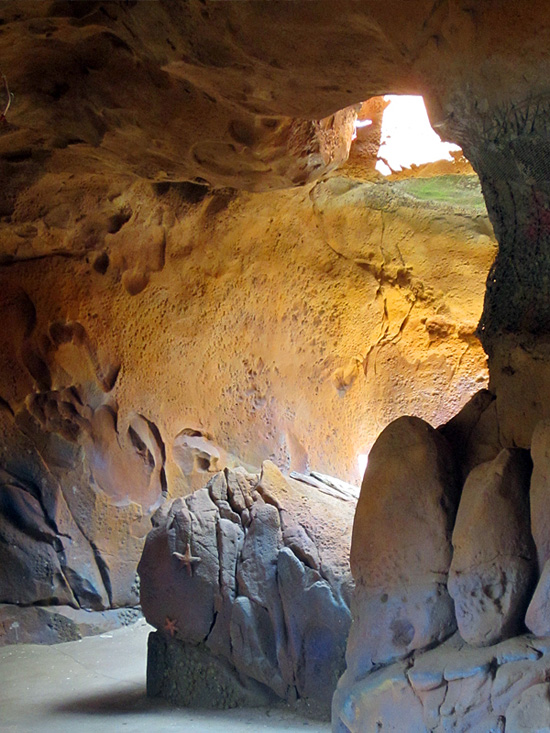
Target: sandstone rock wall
[[154, 334]]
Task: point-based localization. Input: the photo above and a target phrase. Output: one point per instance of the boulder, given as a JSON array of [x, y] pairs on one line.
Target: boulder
[[401, 548], [493, 564], [248, 576]]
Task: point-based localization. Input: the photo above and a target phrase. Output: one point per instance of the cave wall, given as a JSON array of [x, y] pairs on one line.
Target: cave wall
[[128, 286], [160, 333]]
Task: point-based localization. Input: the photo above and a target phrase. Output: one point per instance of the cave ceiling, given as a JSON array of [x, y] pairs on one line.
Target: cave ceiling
[[253, 95]]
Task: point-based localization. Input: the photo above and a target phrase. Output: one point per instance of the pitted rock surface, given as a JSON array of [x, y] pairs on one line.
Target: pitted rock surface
[[401, 547], [493, 566]]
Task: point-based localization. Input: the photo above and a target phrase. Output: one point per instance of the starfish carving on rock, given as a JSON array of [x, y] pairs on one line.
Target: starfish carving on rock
[[186, 559], [171, 626]]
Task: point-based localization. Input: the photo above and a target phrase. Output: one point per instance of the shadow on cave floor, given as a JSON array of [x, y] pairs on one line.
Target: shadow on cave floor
[[98, 684]]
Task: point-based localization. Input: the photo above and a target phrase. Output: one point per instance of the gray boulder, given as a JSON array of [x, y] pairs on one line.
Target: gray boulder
[[493, 564], [250, 577]]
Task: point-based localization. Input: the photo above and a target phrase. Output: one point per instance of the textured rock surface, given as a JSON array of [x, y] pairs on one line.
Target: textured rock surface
[[200, 93], [401, 546], [252, 573], [454, 687], [191, 676], [493, 565], [477, 680], [57, 624], [248, 339], [156, 323]]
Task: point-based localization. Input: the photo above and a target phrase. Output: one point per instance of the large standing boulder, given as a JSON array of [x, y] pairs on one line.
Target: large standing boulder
[[493, 564], [248, 577], [401, 548]]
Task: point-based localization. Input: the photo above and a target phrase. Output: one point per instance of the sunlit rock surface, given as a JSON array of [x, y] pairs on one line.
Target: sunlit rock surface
[[190, 331]]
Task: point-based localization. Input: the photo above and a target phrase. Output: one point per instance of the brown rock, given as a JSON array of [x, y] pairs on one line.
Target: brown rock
[[540, 491], [492, 569], [401, 548]]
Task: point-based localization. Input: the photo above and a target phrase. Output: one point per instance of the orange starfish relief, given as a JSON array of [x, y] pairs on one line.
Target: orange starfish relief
[[171, 626]]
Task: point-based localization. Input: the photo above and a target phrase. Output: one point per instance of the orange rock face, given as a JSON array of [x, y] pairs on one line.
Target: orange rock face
[[159, 333]]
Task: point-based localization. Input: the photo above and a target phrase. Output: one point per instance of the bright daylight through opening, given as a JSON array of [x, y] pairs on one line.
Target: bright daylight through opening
[[362, 461], [407, 137]]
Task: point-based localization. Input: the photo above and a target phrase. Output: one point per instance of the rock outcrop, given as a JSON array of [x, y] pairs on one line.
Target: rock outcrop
[[131, 126], [401, 547], [248, 578], [491, 675], [113, 400]]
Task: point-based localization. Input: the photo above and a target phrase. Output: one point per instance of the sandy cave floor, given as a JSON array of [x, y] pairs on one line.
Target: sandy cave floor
[[98, 684]]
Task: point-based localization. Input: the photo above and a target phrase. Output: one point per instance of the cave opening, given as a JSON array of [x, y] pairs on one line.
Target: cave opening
[[406, 138]]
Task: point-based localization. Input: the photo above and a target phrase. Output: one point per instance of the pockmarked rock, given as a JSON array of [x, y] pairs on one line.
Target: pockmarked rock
[[493, 565], [401, 549]]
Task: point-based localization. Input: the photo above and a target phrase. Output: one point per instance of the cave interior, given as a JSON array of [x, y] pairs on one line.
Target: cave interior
[[265, 383]]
